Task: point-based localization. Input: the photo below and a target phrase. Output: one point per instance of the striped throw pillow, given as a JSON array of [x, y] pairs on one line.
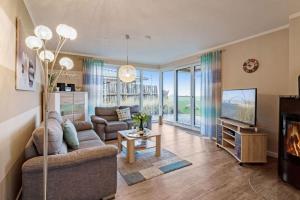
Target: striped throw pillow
[[123, 114]]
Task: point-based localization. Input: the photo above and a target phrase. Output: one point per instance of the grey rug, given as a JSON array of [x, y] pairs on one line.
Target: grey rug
[[148, 166]]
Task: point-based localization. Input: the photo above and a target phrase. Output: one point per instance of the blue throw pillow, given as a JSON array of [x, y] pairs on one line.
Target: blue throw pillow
[[70, 135]]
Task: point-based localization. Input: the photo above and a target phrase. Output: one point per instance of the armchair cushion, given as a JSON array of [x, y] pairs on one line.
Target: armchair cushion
[[123, 114], [98, 120], [115, 126], [83, 125]]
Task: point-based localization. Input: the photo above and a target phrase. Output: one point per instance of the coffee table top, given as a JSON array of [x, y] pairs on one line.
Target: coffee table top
[[149, 134]]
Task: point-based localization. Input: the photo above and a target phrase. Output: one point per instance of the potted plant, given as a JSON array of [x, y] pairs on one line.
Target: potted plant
[[140, 119]]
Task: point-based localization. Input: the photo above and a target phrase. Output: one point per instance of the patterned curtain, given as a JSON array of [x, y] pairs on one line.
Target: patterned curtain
[[210, 94], [92, 71]]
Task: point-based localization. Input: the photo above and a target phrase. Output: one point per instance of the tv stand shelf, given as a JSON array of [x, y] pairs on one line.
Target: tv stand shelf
[[245, 143]]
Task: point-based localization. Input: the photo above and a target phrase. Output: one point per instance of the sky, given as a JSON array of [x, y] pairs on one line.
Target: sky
[[184, 83]]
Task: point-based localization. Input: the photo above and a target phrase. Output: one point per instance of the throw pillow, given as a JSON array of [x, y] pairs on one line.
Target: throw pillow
[[55, 137], [70, 135], [123, 114]]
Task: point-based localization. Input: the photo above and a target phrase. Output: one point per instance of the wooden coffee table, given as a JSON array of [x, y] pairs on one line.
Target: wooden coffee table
[[133, 144]]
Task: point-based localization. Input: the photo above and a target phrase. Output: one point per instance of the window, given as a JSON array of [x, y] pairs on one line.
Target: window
[[130, 92], [184, 97], [110, 85], [150, 93], [168, 95]]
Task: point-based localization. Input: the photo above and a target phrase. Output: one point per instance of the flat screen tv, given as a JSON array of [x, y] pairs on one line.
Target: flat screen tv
[[240, 105]]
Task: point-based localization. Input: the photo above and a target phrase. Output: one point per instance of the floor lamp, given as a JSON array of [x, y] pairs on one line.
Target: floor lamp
[[46, 57]]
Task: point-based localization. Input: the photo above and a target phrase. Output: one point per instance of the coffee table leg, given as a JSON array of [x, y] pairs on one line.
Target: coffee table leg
[[130, 151], [158, 145], [119, 142]]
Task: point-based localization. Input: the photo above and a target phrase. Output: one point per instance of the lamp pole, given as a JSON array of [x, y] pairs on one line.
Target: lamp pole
[[38, 44], [45, 168]]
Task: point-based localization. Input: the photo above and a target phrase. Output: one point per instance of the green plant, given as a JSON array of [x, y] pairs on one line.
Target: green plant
[[140, 118]]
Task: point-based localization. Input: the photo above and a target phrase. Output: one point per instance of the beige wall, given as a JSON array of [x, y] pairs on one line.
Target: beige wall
[[294, 57], [74, 76], [20, 110], [271, 79]]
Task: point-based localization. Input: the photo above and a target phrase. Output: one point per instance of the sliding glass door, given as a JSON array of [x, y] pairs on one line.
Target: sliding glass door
[[168, 95], [184, 96]]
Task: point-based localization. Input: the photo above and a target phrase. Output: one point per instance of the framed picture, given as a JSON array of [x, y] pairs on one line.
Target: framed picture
[[26, 69]]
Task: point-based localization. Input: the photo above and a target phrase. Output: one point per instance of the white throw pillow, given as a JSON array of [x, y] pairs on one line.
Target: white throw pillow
[[123, 114]]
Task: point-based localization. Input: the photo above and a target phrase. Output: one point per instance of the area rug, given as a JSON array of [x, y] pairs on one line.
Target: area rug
[[148, 166]]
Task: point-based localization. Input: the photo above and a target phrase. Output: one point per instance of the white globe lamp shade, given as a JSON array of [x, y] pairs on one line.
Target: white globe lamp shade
[[66, 31], [66, 63], [33, 42], [46, 56], [43, 32], [127, 73]]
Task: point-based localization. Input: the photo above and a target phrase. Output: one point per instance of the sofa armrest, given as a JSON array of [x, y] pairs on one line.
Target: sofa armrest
[[98, 120], [71, 175], [73, 158], [83, 125]]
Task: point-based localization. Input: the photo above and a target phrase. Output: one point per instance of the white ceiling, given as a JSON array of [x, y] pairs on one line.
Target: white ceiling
[[177, 28]]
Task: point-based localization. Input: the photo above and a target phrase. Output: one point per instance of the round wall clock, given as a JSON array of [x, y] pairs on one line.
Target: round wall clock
[[251, 65]]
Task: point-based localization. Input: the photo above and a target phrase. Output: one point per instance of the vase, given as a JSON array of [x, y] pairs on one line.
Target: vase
[[141, 125]]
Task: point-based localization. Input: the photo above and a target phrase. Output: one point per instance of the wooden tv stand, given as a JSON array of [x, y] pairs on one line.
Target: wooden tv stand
[[242, 141]]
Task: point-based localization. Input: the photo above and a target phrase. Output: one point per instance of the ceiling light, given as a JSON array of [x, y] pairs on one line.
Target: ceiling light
[[66, 31], [43, 32], [127, 73], [46, 56], [33, 42], [66, 63]]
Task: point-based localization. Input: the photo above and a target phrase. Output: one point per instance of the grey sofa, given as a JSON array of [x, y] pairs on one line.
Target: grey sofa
[[87, 173], [106, 122]]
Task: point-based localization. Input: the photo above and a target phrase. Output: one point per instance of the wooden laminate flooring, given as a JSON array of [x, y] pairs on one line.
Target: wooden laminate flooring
[[214, 175]]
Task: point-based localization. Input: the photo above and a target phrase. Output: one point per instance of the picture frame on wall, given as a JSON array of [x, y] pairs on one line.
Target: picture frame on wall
[[26, 62]]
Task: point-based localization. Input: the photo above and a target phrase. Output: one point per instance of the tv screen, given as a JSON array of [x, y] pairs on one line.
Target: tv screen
[[239, 105]]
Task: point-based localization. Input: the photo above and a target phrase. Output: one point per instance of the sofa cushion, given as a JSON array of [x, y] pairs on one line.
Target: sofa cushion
[[123, 114], [90, 143], [70, 135], [115, 126], [30, 150], [83, 125], [87, 135], [55, 137], [55, 115]]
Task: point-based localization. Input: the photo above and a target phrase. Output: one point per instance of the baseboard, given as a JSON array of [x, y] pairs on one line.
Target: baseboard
[[272, 154]]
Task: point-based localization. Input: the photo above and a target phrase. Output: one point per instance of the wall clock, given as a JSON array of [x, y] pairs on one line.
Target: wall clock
[[251, 65]]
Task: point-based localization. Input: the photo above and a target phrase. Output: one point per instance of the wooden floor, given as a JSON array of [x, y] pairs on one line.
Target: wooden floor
[[214, 175]]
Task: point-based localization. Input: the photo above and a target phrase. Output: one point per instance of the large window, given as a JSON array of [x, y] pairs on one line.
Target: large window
[[150, 93], [130, 92], [168, 95], [184, 97], [110, 85]]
